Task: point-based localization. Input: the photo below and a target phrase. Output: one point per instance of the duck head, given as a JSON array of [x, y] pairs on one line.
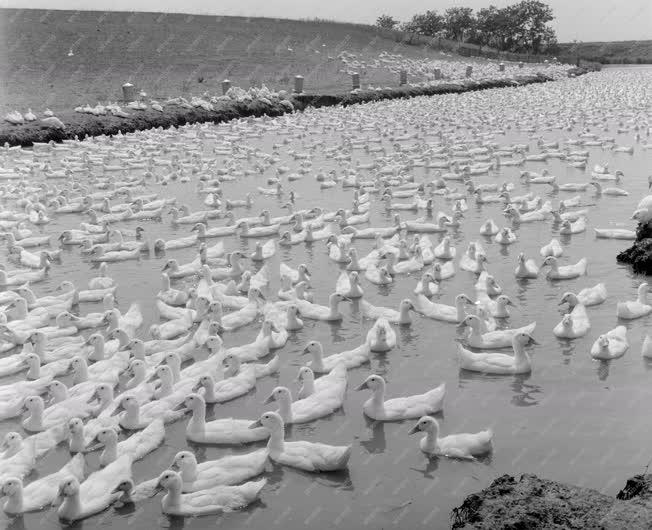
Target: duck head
[[425, 424]]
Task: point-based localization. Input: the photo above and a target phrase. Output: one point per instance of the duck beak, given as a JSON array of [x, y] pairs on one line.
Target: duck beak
[[533, 340], [174, 466], [262, 296], [118, 409], [268, 399], [92, 398], [509, 302], [461, 325], [196, 387], [255, 425], [116, 490], [305, 350], [362, 386], [414, 429], [181, 406]]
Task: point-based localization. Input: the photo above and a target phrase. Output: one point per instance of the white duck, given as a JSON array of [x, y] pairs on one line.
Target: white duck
[[638, 308], [348, 285], [350, 358], [493, 339], [222, 431], [565, 272], [319, 312], [218, 499], [310, 408], [137, 446], [95, 494], [551, 249], [526, 268], [499, 363], [402, 408], [381, 337], [446, 313], [465, 446], [307, 456], [40, 493], [611, 345], [590, 296], [225, 471]]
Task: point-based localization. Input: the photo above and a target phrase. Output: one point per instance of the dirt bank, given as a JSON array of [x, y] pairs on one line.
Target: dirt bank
[[639, 255], [532, 503], [83, 125]]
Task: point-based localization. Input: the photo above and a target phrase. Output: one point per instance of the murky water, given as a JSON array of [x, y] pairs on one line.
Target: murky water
[[572, 419]]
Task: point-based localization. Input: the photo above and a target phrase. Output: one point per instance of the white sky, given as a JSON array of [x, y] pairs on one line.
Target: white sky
[[587, 20]]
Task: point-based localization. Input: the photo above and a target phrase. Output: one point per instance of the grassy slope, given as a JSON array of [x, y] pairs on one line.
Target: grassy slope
[[613, 52], [167, 54]]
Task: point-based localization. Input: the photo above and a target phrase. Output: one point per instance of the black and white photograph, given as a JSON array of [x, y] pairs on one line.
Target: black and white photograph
[[333, 265]]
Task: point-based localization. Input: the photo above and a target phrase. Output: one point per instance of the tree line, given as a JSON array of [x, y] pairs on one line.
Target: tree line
[[520, 28]]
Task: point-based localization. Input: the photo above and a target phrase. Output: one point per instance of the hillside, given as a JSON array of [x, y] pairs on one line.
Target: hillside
[[174, 54], [624, 52]]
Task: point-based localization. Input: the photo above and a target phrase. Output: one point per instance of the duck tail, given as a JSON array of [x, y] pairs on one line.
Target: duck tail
[[344, 457], [251, 490]]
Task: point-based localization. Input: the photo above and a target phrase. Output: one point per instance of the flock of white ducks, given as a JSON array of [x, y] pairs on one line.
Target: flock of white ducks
[[113, 384]]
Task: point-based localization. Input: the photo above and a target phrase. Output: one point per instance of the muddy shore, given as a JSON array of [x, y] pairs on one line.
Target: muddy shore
[[533, 503]]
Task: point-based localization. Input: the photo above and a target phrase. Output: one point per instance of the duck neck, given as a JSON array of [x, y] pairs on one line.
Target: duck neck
[[81, 374], [166, 386], [198, 419], [70, 507], [285, 409], [461, 313], [123, 338], [642, 296], [131, 417], [334, 306], [110, 452], [476, 330], [317, 364], [14, 502], [106, 399], [35, 420], [520, 355], [276, 442], [430, 441], [176, 372], [209, 392], [98, 350], [76, 442], [34, 371], [188, 472], [378, 398]]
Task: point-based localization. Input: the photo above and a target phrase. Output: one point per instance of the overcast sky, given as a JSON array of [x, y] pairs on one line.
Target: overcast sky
[[587, 20]]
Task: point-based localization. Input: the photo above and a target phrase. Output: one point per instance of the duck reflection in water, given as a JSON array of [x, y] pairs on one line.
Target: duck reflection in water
[[378, 441], [603, 370], [524, 394]]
